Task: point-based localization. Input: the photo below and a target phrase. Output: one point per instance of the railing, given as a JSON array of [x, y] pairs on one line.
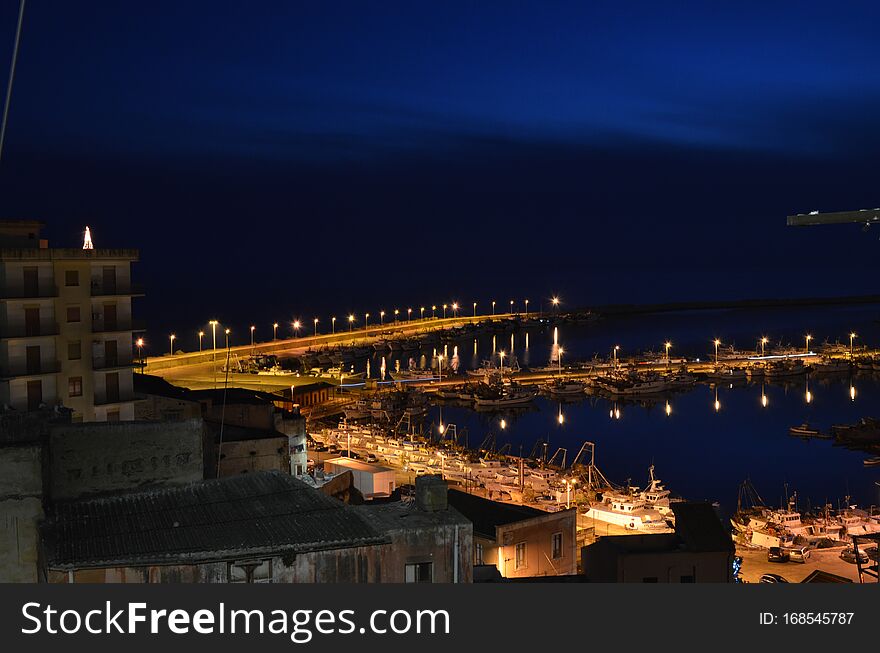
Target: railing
[[23, 331], [44, 291], [98, 326], [102, 363], [116, 290], [24, 369]]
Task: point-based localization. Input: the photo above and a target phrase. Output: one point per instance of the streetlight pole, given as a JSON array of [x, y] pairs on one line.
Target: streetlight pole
[[444, 311], [493, 308], [213, 324], [763, 344], [852, 336], [253, 328], [296, 326], [616, 347], [455, 309], [501, 357], [366, 322], [275, 331], [717, 342], [559, 360], [350, 322], [527, 308], [381, 318], [475, 309], [315, 322], [440, 367], [511, 307], [422, 313], [201, 335], [409, 315], [333, 324], [140, 346], [433, 311], [171, 338], [667, 345], [807, 338]]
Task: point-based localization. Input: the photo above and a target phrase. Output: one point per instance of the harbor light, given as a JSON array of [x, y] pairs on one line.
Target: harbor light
[[807, 339], [667, 344], [350, 322], [501, 356], [201, 335], [296, 326], [253, 328], [171, 338], [555, 302], [275, 331], [333, 324], [763, 344], [717, 342], [852, 336], [315, 322]]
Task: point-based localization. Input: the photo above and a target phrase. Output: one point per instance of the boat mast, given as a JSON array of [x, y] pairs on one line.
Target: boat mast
[[11, 76]]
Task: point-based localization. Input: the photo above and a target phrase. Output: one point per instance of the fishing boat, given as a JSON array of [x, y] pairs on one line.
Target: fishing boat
[[873, 461], [565, 387], [803, 430], [726, 373], [512, 395], [628, 511], [785, 368], [830, 366]]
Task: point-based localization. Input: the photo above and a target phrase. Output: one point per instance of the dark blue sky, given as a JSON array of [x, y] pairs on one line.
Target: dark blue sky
[[280, 159]]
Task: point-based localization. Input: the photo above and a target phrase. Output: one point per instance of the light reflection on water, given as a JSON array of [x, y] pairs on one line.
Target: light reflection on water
[[705, 441]]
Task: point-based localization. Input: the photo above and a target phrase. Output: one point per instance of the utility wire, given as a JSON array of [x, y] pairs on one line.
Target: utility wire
[[11, 76]]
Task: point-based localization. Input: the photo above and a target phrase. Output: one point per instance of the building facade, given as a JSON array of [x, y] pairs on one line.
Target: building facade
[[66, 326]]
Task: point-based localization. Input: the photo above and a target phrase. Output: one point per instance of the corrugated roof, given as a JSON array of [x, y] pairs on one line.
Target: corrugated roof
[[267, 512]]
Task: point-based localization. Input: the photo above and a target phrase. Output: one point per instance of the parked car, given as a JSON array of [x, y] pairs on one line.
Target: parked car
[[799, 554], [773, 578], [849, 555], [333, 449], [319, 447], [371, 458], [776, 554]]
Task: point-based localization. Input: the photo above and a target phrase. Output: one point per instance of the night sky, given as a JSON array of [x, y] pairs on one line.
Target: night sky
[[278, 160]]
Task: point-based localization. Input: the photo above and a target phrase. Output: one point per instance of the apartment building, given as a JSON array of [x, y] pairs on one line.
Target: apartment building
[[66, 327]]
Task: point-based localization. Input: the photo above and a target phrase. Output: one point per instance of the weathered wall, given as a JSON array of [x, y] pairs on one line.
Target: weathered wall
[[248, 456], [537, 535], [21, 490], [92, 458], [435, 543], [154, 407]]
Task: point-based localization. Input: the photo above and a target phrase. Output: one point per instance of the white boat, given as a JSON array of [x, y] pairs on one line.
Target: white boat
[[726, 373], [629, 512], [566, 388], [509, 396]]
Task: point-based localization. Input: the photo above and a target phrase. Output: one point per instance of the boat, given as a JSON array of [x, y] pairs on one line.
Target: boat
[[726, 374], [784, 368], [830, 366], [628, 511], [873, 461], [565, 387], [509, 395], [803, 430]]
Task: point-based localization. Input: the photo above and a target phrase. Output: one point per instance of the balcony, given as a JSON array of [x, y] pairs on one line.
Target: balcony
[[99, 289], [119, 326], [108, 364], [45, 291], [44, 330], [23, 370]]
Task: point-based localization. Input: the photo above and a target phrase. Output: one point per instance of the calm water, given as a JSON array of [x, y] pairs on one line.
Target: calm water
[[700, 452]]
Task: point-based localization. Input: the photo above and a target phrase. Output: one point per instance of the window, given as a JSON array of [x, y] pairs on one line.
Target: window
[[250, 571], [74, 350], [75, 386], [478, 553], [73, 314], [71, 278], [556, 546], [420, 572], [520, 560]]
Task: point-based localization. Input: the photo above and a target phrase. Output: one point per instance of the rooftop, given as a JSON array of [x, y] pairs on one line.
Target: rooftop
[[351, 463], [252, 514], [486, 514]]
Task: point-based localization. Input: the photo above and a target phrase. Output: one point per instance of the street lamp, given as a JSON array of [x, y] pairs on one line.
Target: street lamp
[[527, 307], [315, 323], [717, 342], [501, 356], [440, 367], [763, 344], [201, 335], [409, 315], [559, 359], [422, 313], [396, 313], [171, 338], [511, 307], [140, 346], [228, 331], [253, 328], [275, 331], [852, 336], [455, 309], [555, 302], [350, 322], [433, 311], [493, 307], [667, 344], [475, 309], [296, 326], [807, 339], [381, 318], [214, 324], [333, 324], [444, 311], [616, 348], [568, 486], [366, 322]]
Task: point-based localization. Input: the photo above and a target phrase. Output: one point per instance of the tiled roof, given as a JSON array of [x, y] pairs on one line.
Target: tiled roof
[[262, 513]]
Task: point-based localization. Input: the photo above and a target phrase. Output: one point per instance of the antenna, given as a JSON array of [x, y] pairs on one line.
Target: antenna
[[11, 76]]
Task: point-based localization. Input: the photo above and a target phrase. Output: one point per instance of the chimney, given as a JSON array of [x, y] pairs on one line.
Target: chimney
[[431, 493]]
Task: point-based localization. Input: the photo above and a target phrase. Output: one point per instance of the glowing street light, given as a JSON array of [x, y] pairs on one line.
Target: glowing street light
[[501, 356], [455, 309], [350, 322], [444, 311], [493, 307], [555, 302], [296, 326], [396, 313], [807, 339], [475, 309], [381, 318], [366, 321], [568, 485], [717, 342], [315, 323], [440, 367], [852, 336], [422, 313], [559, 359], [433, 311], [667, 344], [201, 335], [764, 341], [228, 331], [616, 348], [333, 324], [171, 338], [409, 315], [214, 324], [527, 307], [275, 331], [511, 307], [253, 328], [140, 345]]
